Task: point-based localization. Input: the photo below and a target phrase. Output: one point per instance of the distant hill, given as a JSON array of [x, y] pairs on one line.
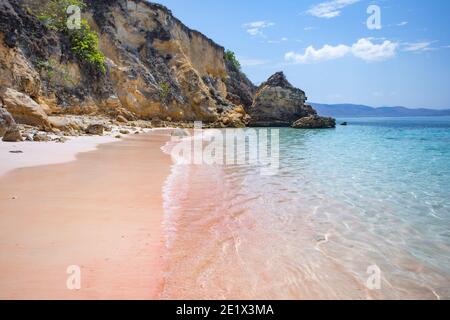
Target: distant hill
[[358, 111]]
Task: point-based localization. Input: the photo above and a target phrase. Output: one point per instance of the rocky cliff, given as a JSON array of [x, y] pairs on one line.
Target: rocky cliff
[[153, 68], [156, 67]]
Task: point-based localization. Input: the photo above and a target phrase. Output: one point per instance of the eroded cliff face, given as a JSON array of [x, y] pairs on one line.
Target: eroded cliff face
[[156, 66]]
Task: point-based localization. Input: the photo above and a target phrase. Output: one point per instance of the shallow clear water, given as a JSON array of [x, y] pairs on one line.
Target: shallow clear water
[[373, 193]]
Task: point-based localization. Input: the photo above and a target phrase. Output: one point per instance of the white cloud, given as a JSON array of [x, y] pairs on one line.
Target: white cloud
[[330, 9], [308, 28], [284, 39], [366, 50], [252, 62], [327, 52], [418, 46], [402, 24], [256, 28], [363, 49]]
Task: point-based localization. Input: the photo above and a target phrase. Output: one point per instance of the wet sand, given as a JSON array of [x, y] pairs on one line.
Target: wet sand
[[101, 212]]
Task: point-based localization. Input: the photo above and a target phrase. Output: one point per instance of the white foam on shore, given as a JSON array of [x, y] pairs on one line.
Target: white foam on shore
[[44, 153]]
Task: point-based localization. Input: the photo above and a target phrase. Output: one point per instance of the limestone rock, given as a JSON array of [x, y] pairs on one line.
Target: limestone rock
[[240, 89], [95, 129], [113, 102], [64, 124], [12, 135], [24, 109], [6, 121], [278, 103], [41, 137], [121, 119], [314, 122]]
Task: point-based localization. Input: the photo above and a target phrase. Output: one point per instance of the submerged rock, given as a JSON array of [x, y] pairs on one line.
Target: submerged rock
[[315, 122]]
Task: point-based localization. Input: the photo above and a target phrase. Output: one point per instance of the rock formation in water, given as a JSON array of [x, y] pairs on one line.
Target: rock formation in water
[[314, 122], [277, 103], [155, 68]]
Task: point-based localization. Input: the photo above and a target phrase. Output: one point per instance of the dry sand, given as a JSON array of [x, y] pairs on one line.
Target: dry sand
[[101, 212], [37, 154]]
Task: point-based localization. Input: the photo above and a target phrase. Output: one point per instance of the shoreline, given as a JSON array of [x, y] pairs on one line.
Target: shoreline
[[46, 153], [58, 215]]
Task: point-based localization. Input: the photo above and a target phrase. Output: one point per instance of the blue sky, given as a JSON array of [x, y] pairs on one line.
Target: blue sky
[[326, 48]]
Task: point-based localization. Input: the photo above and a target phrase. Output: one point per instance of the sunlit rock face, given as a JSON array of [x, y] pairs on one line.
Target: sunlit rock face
[[278, 103], [156, 66]]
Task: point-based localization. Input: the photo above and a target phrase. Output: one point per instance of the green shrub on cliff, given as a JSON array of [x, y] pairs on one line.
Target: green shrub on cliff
[[165, 89], [231, 57], [85, 46], [84, 41]]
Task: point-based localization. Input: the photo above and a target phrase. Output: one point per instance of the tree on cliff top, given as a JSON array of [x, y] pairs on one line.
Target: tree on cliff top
[[231, 57]]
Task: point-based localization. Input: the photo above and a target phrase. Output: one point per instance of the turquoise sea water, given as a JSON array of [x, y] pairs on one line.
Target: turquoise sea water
[[373, 193]]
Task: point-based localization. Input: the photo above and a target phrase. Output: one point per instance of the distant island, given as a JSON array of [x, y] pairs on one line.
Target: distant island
[[359, 111]]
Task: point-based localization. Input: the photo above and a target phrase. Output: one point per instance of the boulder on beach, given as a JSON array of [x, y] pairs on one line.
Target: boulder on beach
[[12, 135], [6, 121], [314, 122], [96, 129], [41, 137], [24, 109]]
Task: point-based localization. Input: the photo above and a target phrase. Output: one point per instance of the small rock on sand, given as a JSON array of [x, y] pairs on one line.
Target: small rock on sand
[[95, 129], [41, 137], [12, 135], [121, 119], [320, 238]]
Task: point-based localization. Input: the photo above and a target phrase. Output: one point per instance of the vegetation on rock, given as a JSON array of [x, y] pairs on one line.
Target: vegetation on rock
[[85, 46], [165, 89], [53, 13], [231, 57], [84, 41]]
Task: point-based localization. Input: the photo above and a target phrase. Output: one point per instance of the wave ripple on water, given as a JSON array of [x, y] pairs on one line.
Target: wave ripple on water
[[374, 193]]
